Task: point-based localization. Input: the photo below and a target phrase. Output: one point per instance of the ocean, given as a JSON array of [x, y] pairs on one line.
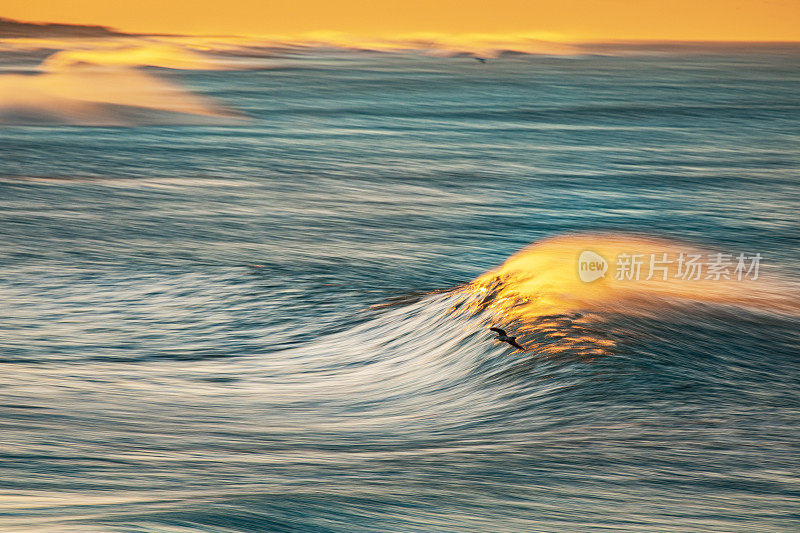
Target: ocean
[[279, 323]]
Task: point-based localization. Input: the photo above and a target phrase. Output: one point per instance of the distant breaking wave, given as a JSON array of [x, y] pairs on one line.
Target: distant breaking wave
[[101, 82], [104, 87]]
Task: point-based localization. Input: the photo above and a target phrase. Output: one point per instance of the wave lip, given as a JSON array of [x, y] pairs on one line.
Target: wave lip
[[106, 97], [149, 55], [104, 87], [543, 279]]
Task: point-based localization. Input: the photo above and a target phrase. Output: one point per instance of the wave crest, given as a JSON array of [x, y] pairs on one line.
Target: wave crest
[[543, 279], [103, 87]]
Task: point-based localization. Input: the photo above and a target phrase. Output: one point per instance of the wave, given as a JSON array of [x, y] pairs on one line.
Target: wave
[[146, 55], [485, 45], [106, 97], [544, 278], [225, 52], [538, 295], [105, 87]]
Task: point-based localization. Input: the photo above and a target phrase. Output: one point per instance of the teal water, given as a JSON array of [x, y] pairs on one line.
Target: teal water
[[248, 327]]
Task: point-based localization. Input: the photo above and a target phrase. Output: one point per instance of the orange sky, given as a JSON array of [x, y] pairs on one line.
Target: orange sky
[[744, 20]]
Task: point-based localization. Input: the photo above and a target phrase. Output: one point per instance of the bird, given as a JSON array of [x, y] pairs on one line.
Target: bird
[[502, 336], [481, 59]]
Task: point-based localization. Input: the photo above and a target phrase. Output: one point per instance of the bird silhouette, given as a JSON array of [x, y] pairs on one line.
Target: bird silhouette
[[502, 336], [481, 59]]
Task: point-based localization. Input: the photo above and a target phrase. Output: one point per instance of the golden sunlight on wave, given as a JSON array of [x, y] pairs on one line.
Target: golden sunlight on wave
[[150, 55], [227, 52], [118, 97], [439, 44], [540, 291], [101, 87], [544, 279]]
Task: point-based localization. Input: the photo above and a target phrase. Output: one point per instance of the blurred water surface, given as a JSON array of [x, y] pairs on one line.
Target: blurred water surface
[[239, 328]]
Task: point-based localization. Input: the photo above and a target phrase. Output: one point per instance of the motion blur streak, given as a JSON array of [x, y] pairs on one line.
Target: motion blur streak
[[103, 87], [281, 325], [149, 55], [117, 97], [543, 279]]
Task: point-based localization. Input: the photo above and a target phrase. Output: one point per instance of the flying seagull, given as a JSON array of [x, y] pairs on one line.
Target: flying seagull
[[481, 59], [502, 336]]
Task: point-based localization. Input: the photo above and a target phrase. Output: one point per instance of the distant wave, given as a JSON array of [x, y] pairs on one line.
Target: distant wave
[[102, 82], [116, 97], [147, 55], [103, 87], [188, 51]]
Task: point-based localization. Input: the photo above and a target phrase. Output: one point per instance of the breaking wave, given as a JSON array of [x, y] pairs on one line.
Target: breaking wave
[[538, 294], [105, 87]]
